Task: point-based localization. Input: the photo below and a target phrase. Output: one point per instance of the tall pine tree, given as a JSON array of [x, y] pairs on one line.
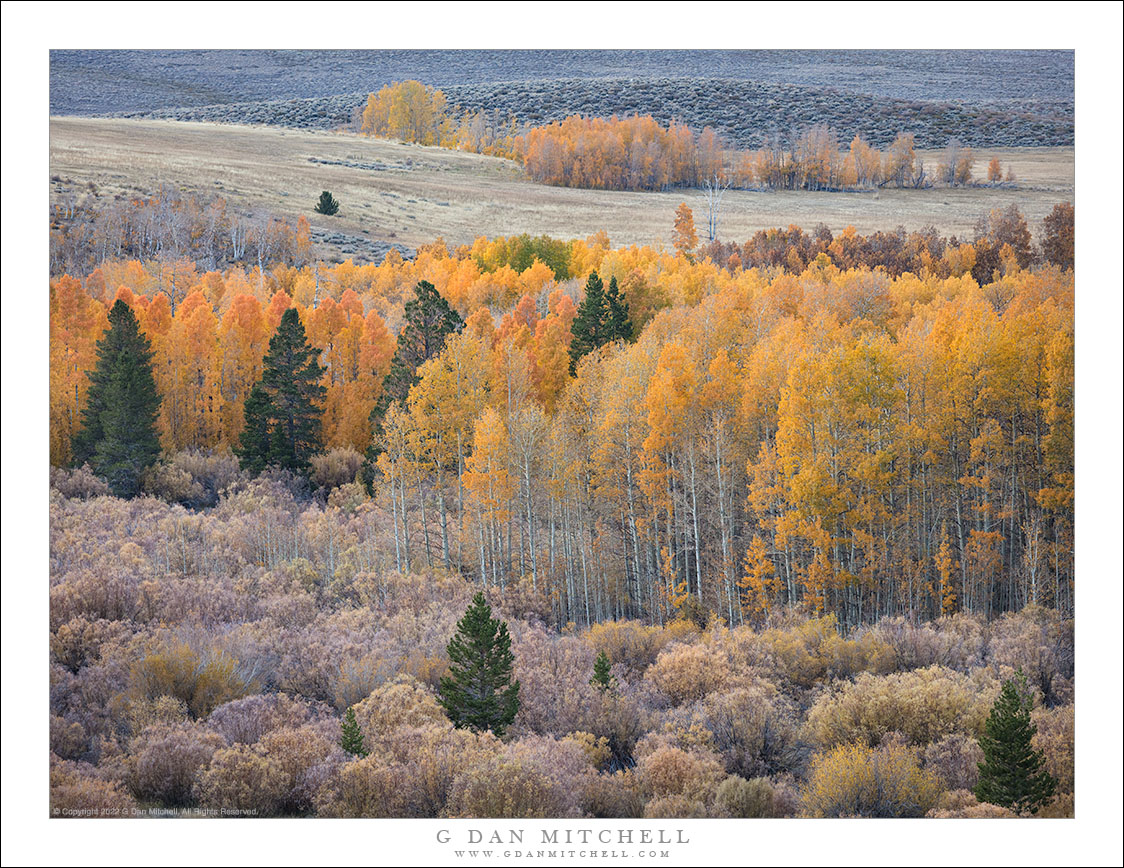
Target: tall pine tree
[[428, 323], [1013, 774], [620, 323], [283, 411], [590, 328], [479, 692], [601, 319], [118, 435], [254, 442], [429, 320]]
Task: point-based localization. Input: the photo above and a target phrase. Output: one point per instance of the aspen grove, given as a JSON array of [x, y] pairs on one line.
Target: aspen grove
[[841, 439]]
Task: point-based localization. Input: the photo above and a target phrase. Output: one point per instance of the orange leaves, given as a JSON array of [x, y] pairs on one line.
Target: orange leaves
[[632, 153], [188, 371], [835, 437], [490, 484], [77, 322], [758, 570], [684, 237], [670, 398]]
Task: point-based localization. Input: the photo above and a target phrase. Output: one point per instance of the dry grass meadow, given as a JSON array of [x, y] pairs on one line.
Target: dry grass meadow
[[411, 194]]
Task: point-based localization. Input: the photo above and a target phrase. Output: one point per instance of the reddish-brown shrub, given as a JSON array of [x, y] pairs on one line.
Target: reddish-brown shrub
[[246, 720], [164, 760], [671, 771], [79, 483], [566, 763], [434, 755], [617, 795], [962, 805], [1056, 739], [555, 694], [68, 740], [335, 467], [1039, 642], [754, 729], [298, 750], [79, 641], [77, 793], [955, 759]]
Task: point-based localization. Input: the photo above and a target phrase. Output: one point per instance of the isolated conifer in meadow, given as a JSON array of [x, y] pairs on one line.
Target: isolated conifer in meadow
[[327, 204], [479, 692], [282, 411], [1013, 774], [118, 435], [351, 737]]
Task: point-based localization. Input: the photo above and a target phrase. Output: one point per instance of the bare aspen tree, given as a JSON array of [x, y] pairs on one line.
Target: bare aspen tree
[[714, 188]]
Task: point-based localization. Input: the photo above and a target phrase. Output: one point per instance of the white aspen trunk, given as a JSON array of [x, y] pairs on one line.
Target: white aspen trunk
[[695, 521], [405, 525], [444, 521], [394, 513]]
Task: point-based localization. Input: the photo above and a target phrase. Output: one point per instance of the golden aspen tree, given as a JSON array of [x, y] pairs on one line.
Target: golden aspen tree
[[550, 350], [76, 324], [490, 487], [243, 341], [684, 237], [451, 391], [757, 570]]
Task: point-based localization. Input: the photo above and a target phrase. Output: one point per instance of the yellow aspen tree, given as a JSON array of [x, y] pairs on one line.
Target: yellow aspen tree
[[490, 487], [757, 571], [76, 324], [684, 238]]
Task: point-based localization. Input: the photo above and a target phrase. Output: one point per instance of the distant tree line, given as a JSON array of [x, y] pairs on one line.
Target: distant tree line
[[635, 152], [170, 226], [1001, 241]]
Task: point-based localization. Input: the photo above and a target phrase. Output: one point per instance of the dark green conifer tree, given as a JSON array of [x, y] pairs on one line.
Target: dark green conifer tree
[[254, 442], [620, 323], [428, 322], [351, 736], [283, 410], [1013, 774], [327, 204], [602, 672], [591, 327], [118, 435], [479, 692], [427, 325]]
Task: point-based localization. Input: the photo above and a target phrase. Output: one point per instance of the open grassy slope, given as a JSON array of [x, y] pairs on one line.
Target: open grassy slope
[[407, 194]]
